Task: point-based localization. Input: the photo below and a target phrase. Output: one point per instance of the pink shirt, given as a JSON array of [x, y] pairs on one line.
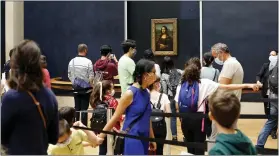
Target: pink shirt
[[46, 77]]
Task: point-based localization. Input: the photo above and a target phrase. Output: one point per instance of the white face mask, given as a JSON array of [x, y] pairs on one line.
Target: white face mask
[[218, 61], [272, 58], [65, 143], [112, 92]]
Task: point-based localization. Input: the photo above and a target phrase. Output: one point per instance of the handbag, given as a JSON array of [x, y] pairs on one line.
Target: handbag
[[78, 82], [118, 144]]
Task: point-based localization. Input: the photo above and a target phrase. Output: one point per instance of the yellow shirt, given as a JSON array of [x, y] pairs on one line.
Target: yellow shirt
[[74, 148]]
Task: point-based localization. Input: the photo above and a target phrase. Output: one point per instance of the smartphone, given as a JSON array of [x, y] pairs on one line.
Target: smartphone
[[112, 56]]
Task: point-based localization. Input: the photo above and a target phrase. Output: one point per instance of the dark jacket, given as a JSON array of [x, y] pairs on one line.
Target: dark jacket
[[7, 68], [262, 76], [108, 68], [22, 129], [233, 144]]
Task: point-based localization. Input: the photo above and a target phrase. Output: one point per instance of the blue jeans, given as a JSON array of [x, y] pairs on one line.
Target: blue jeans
[[270, 123], [173, 119]]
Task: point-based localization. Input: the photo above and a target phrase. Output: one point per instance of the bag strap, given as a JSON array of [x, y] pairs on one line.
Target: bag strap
[[159, 101], [215, 75], [137, 119], [39, 107]]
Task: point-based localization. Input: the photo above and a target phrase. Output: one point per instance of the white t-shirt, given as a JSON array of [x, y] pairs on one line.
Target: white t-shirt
[[232, 69], [158, 70], [206, 87], [165, 102]]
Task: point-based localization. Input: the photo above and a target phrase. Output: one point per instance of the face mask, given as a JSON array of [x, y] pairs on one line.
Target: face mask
[[135, 52], [65, 143], [112, 92], [218, 61], [273, 58]]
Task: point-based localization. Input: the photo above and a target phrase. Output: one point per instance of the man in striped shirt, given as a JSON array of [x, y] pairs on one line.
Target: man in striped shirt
[[81, 67]]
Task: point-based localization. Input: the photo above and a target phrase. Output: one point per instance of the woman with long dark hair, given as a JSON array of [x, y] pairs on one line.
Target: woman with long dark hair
[[29, 117], [164, 43], [199, 90], [135, 103], [170, 78]]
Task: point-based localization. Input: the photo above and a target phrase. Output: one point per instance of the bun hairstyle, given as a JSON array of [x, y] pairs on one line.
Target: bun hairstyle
[[26, 71], [99, 91], [207, 59], [142, 66]]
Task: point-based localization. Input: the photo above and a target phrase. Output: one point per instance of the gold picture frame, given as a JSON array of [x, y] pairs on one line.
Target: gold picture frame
[[164, 36]]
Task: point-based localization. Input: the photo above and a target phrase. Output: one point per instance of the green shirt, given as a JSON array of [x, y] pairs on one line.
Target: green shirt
[[233, 144], [126, 68]]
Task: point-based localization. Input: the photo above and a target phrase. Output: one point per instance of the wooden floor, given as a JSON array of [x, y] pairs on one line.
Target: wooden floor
[[251, 127]]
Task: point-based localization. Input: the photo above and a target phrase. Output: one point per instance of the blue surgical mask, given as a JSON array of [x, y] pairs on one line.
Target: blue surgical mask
[[134, 52], [218, 61]]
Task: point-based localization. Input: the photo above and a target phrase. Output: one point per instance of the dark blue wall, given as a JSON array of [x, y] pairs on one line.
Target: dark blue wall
[[250, 29], [187, 14], [59, 27]]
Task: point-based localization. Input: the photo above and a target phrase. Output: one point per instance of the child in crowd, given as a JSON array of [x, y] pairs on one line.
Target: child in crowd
[[104, 92], [224, 110], [72, 141]]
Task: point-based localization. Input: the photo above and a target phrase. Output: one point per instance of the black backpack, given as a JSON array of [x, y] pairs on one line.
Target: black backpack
[[157, 121], [273, 79], [174, 80], [99, 116]]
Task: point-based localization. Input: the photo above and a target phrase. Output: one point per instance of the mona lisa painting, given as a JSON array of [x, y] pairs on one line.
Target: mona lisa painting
[[164, 36]]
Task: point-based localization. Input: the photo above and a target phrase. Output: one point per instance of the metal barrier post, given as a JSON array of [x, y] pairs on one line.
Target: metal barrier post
[[168, 137], [80, 116], [109, 137]]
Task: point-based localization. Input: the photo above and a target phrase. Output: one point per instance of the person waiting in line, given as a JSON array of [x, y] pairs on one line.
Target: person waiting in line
[[262, 78], [107, 64], [70, 140], [25, 129], [192, 128], [231, 73], [105, 90], [80, 72], [126, 66], [149, 55], [135, 102], [170, 78], [159, 101], [224, 110], [208, 71], [45, 71], [272, 120]]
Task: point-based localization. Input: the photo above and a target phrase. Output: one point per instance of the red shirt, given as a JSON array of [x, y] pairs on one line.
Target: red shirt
[[113, 103], [46, 78]]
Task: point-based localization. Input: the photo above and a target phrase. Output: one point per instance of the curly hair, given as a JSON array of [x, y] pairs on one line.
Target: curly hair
[[191, 74], [193, 60], [105, 86], [26, 71]]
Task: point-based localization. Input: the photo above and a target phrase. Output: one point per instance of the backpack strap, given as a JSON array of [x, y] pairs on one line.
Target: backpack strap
[[39, 107], [159, 101], [215, 75]]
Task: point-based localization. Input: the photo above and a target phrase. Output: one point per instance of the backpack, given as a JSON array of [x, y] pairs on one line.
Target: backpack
[[273, 79], [99, 116], [174, 80], [157, 121], [188, 97]]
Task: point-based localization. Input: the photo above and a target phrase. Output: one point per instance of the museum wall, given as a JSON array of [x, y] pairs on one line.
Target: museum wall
[[250, 29], [59, 27], [187, 14]]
